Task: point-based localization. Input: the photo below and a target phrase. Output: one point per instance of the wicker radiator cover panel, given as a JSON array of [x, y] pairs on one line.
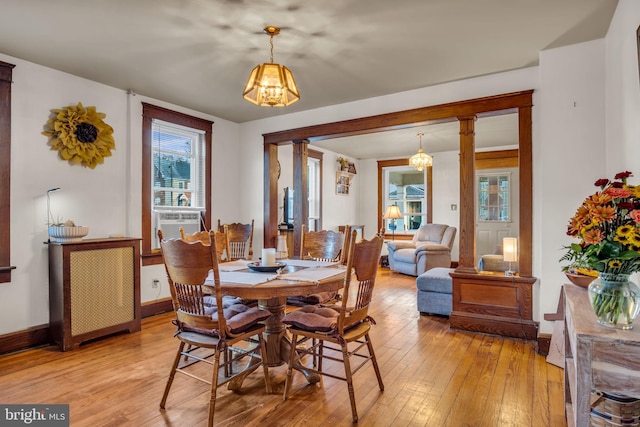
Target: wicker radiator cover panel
[[102, 288]]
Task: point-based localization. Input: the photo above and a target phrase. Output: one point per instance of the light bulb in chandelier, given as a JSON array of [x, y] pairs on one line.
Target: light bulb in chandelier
[[270, 84]]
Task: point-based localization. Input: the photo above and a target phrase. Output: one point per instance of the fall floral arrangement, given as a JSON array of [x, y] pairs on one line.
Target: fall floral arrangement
[[607, 225]]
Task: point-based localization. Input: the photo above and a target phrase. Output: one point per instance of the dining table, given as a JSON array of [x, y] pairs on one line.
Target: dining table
[[289, 277]]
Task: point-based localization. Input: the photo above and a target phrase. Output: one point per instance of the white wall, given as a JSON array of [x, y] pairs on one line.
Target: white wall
[[106, 199], [623, 94]]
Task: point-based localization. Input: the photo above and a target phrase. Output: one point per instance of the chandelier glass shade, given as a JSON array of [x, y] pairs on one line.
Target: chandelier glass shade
[[270, 84], [420, 160]]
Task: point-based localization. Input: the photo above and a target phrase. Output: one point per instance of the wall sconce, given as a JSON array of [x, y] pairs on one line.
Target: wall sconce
[[392, 213], [510, 252]]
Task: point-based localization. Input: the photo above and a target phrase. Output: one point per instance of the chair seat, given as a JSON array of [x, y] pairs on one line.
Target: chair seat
[[239, 318], [319, 298], [313, 318]]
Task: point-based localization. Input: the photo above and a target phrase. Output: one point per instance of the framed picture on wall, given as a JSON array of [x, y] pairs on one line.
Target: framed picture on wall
[[342, 189]]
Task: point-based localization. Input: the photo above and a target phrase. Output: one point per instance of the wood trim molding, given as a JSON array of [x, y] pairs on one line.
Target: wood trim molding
[[22, 340], [521, 102], [6, 77], [152, 308], [497, 159], [404, 162], [150, 112]]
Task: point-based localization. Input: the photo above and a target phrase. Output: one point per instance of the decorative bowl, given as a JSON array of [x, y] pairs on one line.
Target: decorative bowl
[[68, 234], [256, 266], [580, 279]]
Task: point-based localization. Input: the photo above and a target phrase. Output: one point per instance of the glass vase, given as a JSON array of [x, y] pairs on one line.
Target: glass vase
[[615, 300]]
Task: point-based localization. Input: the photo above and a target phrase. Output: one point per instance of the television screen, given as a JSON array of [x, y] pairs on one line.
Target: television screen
[[287, 216]]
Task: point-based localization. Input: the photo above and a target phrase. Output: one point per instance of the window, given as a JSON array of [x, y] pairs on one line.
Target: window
[[176, 180], [314, 176], [494, 192], [404, 186]]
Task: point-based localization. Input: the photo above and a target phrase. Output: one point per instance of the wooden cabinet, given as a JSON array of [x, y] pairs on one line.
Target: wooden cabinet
[[596, 357], [493, 303], [94, 289]]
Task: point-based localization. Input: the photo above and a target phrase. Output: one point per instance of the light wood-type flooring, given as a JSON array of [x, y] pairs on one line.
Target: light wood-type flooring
[[433, 376]]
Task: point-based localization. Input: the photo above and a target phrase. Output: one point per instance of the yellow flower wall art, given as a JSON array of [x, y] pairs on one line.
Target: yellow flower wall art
[[80, 135]]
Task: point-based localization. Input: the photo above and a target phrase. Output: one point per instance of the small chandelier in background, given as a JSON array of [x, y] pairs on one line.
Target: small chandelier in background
[[420, 160], [269, 84]]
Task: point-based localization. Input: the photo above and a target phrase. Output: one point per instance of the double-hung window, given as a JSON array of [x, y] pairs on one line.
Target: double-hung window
[[176, 176]]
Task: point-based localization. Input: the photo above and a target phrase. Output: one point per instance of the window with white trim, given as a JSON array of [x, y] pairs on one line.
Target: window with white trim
[[404, 186], [176, 176]]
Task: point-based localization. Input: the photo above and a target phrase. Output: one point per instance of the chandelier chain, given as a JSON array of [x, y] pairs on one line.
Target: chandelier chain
[[271, 44]]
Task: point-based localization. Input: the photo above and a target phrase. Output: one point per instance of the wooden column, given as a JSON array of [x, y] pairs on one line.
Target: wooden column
[[525, 162], [270, 195], [301, 190], [467, 236]]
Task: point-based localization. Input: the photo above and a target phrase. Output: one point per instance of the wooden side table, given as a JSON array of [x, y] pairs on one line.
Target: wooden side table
[[596, 357]]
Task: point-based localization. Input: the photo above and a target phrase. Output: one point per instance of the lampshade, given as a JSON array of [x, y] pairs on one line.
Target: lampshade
[[420, 160], [392, 212], [510, 249], [270, 84]]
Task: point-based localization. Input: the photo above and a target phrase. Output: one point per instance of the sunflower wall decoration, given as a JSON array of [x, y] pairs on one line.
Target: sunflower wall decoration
[[80, 136]]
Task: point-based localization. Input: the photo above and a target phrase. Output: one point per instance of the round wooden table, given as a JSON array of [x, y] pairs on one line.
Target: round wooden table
[[272, 296]]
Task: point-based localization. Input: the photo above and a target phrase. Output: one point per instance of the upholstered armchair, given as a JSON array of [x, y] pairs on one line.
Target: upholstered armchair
[[430, 247]]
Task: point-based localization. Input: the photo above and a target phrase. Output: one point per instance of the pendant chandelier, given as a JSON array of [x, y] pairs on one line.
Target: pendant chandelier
[[269, 84], [420, 160]]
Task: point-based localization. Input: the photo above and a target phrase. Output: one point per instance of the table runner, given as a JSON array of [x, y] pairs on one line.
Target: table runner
[[312, 274]]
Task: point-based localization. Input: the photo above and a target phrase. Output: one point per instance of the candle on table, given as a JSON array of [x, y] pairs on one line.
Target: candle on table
[[269, 256]]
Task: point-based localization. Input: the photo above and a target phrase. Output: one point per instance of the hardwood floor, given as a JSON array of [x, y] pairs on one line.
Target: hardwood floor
[[432, 376]]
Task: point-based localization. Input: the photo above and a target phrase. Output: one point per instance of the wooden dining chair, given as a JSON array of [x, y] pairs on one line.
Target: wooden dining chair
[[240, 238], [323, 245], [345, 326], [205, 328]]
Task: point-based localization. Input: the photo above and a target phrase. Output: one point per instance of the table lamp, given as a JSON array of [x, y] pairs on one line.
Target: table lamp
[[392, 213], [510, 252]]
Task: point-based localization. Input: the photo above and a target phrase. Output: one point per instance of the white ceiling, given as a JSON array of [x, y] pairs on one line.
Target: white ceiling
[[492, 131], [198, 53]]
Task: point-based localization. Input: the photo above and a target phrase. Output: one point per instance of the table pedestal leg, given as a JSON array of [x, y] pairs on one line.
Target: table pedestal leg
[[278, 345]]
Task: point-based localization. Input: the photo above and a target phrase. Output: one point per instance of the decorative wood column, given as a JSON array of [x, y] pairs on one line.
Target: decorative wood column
[[525, 162], [467, 236], [301, 191], [270, 194]]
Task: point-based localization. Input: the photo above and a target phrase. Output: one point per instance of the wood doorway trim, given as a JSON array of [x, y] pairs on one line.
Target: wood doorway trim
[[520, 102]]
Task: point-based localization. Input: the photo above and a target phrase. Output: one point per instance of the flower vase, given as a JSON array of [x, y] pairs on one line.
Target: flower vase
[[615, 300]]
